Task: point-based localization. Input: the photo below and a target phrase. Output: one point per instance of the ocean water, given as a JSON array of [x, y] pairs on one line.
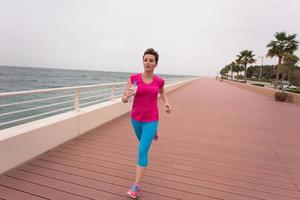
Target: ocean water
[[29, 78]]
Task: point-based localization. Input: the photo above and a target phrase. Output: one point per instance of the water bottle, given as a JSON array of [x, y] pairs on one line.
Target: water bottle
[[134, 88]]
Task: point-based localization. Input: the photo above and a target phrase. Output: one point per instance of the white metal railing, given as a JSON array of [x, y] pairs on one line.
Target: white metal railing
[[22, 107]]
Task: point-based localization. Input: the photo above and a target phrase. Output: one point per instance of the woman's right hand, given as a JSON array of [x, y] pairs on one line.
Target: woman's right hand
[[128, 93]]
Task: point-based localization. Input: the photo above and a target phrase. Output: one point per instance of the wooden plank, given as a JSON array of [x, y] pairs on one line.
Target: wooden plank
[[75, 185], [37, 189], [100, 181], [153, 172], [12, 194], [173, 159]]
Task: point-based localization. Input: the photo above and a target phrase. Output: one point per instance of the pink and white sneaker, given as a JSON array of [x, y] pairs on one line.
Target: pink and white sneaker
[[134, 191]]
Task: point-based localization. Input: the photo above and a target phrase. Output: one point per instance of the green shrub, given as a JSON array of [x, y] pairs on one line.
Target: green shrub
[[268, 80], [294, 90]]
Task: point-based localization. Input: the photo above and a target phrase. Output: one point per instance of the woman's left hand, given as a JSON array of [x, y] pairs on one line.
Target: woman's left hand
[[168, 108]]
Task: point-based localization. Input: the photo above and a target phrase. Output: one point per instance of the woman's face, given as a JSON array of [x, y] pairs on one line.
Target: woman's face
[[149, 62]]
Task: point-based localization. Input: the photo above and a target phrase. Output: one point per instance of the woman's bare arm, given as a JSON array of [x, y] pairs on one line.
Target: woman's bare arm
[[127, 92], [165, 100]]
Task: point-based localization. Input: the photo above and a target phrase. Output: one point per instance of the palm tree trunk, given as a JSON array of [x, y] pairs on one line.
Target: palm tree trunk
[[277, 71], [245, 74]]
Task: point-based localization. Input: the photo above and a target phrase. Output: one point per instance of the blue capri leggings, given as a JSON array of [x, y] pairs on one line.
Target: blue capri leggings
[[145, 132]]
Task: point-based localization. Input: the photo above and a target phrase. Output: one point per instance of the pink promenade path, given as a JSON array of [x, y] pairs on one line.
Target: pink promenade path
[[220, 142]]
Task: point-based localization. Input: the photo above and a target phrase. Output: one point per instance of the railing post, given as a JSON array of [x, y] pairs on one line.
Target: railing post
[[76, 100], [112, 97]]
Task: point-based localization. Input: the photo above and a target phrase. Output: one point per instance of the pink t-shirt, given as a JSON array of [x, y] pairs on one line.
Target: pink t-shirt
[[144, 108]]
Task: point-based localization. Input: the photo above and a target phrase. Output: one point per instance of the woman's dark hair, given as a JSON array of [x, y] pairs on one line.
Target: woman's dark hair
[[152, 52]]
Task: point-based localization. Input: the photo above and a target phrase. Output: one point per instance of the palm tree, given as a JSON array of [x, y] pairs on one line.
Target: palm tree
[[227, 68], [238, 67], [283, 44], [245, 57], [223, 72], [232, 66]]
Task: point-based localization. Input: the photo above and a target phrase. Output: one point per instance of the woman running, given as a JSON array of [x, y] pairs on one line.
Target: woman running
[[144, 113]]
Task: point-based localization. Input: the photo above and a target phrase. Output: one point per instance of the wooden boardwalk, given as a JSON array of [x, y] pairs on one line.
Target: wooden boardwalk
[[220, 142]]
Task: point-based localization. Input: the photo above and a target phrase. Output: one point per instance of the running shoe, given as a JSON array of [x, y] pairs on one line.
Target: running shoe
[[134, 191]]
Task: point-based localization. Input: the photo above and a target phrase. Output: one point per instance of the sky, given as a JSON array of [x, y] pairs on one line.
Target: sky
[[192, 37]]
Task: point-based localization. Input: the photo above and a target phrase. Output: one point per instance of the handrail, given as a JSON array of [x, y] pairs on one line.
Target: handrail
[[35, 108], [30, 117], [34, 101], [18, 112], [95, 91], [83, 104], [100, 95], [7, 94]]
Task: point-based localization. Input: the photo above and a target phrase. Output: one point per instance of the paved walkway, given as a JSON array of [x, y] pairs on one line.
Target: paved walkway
[[220, 142]]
